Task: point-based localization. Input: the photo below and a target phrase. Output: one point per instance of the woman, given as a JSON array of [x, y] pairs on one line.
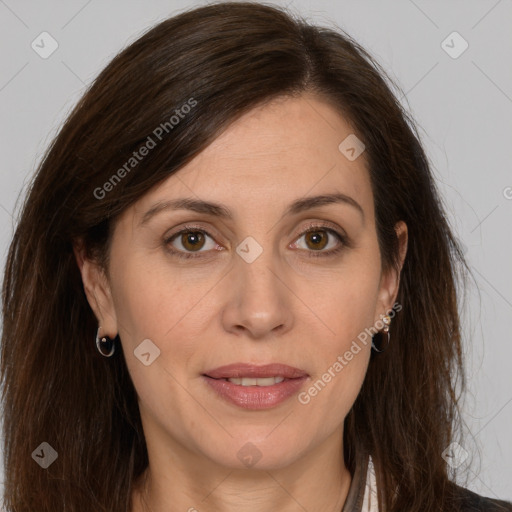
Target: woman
[[232, 287]]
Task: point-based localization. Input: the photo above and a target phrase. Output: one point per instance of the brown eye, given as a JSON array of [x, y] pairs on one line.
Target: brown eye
[[192, 240], [316, 240]]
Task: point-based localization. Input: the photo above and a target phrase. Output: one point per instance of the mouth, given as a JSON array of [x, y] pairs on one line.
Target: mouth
[[251, 371], [249, 381], [255, 387]]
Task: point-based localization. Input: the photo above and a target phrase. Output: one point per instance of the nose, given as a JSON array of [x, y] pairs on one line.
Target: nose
[[259, 301]]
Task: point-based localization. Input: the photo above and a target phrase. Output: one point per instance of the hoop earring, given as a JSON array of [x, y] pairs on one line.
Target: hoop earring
[[109, 344], [387, 322]]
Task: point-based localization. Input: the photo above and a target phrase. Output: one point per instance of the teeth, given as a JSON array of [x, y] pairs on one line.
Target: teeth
[[246, 381]]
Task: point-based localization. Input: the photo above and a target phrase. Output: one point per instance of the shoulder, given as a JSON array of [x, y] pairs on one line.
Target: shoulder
[[471, 502]]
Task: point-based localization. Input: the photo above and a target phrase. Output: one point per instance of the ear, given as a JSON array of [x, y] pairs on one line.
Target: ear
[[97, 290], [390, 280]]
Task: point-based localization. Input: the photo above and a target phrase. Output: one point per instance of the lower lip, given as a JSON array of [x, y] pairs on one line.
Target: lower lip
[[255, 397]]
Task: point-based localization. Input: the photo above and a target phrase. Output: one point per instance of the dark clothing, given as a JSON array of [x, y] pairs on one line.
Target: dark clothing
[[362, 495]]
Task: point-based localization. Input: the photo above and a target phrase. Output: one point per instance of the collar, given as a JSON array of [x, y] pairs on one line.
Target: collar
[[362, 494]]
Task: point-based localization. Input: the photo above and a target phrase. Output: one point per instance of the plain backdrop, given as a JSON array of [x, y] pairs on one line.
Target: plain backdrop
[[461, 101]]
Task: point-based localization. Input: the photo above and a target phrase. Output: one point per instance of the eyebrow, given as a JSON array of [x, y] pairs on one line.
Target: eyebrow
[[218, 210]]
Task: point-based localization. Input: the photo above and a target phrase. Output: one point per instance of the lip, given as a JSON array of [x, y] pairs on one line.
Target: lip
[[239, 370], [255, 397]]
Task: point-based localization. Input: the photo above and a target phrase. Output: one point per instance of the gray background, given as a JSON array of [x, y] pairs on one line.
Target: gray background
[[463, 107]]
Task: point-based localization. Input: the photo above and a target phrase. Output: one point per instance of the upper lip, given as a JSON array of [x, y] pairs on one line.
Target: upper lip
[[240, 370]]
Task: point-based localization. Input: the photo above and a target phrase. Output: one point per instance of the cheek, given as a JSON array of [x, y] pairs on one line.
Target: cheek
[[345, 300], [341, 361], [170, 312], [159, 303], [151, 299], [345, 304]]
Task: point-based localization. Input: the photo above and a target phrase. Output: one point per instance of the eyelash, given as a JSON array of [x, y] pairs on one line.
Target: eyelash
[[344, 242]]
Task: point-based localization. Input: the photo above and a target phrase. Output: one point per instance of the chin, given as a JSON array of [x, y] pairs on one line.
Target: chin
[[258, 452]]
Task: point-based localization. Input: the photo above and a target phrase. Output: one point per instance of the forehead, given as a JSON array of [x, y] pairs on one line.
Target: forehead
[[274, 154]]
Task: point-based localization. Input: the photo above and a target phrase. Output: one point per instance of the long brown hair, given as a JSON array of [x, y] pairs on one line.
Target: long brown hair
[[228, 58]]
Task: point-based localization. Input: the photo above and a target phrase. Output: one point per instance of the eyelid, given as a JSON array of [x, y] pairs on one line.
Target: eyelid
[[323, 224], [189, 227]]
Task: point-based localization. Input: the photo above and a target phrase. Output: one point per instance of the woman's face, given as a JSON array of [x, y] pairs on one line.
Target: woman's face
[[248, 286]]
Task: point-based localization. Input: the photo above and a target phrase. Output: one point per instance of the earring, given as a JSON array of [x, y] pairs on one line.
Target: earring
[[387, 322], [105, 342]]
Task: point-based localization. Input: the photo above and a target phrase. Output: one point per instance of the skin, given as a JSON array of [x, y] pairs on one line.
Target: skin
[[217, 309]]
